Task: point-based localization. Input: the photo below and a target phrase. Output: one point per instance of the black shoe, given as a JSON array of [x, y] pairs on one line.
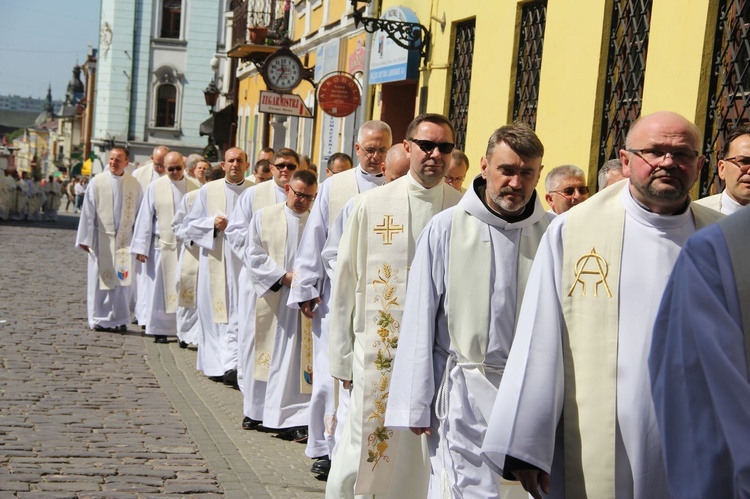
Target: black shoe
[[321, 466], [160, 338], [183, 344], [250, 424], [218, 379], [121, 328], [102, 328], [297, 434], [230, 378], [143, 328]]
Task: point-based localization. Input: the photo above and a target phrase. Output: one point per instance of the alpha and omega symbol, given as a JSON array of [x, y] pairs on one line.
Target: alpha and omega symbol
[[387, 229], [591, 264]]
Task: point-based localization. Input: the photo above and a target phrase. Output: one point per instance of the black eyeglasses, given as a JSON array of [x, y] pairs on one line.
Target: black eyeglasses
[[428, 146], [568, 191], [305, 197], [288, 166], [174, 169], [372, 151], [655, 157]]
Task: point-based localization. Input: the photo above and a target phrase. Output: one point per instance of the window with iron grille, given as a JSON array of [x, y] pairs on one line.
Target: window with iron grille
[[626, 65], [729, 87], [530, 45], [463, 54]]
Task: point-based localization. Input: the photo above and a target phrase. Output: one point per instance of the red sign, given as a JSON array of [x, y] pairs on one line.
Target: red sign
[[339, 95]]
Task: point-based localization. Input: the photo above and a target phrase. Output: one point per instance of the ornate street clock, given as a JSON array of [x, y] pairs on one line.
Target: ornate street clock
[[282, 71]]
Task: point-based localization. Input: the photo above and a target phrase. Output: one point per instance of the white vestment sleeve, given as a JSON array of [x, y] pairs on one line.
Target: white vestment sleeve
[[699, 378], [198, 224], [530, 397], [144, 224], [413, 380], [330, 251], [352, 255], [87, 224], [239, 222], [179, 217], [263, 271]]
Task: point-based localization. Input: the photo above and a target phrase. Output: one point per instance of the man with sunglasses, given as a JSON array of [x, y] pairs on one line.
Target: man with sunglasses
[[205, 225], [312, 290], [283, 164], [154, 244], [281, 339], [566, 187], [734, 170], [580, 351], [372, 267]]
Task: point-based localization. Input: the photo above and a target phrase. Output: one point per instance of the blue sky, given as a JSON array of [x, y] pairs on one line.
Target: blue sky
[[40, 42]]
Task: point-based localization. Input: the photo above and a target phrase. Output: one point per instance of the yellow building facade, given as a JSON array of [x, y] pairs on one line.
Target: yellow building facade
[[579, 71]]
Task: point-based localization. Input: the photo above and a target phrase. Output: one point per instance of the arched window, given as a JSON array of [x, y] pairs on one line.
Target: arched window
[[171, 13], [166, 105]]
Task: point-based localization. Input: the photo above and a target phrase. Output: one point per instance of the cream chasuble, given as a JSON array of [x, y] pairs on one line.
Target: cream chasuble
[[396, 215], [114, 259], [164, 202], [590, 302], [265, 195], [216, 202], [273, 240], [144, 174]]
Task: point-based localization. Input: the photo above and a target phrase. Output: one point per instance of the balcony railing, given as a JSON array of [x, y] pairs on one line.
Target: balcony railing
[[255, 13]]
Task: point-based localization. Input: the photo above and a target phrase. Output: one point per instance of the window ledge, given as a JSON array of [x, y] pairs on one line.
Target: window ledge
[[162, 130], [168, 42]]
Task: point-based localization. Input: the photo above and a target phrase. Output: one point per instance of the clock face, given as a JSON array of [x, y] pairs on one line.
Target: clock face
[[283, 72]]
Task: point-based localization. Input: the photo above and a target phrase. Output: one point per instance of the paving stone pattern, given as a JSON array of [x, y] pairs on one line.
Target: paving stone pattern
[[85, 414]]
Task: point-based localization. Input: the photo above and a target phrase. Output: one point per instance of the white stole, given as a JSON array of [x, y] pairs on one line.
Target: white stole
[[114, 245], [265, 195], [144, 174], [343, 188], [164, 203], [593, 247]]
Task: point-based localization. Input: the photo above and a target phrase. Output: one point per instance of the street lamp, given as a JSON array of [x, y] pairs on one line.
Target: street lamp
[[211, 94]]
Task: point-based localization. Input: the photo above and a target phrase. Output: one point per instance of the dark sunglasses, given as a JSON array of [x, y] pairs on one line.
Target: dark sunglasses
[[288, 166], [174, 169], [428, 146], [568, 191]]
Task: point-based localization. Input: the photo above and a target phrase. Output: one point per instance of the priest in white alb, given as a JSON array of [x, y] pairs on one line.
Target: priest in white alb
[[219, 268], [375, 252], [578, 363], [734, 170], [282, 347], [143, 285], [312, 288], [105, 230], [283, 164], [153, 239], [465, 287]]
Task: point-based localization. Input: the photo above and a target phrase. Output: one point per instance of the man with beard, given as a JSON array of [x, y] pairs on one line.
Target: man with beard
[[580, 351], [373, 262], [219, 268], [459, 317]]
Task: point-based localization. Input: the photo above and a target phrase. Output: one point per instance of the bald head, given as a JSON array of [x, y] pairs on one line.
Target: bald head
[[663, 120], [174, 163], [157, 157], [396, 163]]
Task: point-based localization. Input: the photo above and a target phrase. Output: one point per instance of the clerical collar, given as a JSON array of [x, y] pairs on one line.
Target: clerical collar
[[362, 170], [480, 187], [232, 183]]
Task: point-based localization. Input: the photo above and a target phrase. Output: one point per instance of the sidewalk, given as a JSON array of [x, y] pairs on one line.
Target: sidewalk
[[86, 414]]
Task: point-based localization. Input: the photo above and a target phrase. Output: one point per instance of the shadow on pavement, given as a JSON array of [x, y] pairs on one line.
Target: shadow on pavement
[[65, 221]]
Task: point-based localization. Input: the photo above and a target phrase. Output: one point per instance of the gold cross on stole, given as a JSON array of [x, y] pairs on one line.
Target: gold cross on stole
[[387, 229]]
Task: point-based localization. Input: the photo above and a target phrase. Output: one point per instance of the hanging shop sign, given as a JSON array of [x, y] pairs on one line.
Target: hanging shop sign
[[388, 61], [288, 104], [339, 94]]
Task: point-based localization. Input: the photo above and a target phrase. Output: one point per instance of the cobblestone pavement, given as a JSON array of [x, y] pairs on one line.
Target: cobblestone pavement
[[85, 414]]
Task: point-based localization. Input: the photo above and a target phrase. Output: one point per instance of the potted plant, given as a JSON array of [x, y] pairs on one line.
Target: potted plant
[[258, 29]]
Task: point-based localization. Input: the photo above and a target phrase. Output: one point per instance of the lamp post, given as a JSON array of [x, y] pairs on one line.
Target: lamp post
[[211, 94]]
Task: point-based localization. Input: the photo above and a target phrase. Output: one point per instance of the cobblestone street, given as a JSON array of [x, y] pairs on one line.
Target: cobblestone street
[[89, 414]]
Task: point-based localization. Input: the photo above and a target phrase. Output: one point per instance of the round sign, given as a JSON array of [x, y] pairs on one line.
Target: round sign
[[339, 95]]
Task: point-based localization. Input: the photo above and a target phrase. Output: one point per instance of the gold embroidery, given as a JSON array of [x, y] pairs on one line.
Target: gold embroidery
[[602, 269], [387, 230], [263, 359], [330, 423], [388, 330], [219, 308]]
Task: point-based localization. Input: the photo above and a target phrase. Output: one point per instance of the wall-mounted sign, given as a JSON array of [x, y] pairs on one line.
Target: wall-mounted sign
[[339, 94], [327, 58], [356, 61], [288, 104], [388, 61]]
